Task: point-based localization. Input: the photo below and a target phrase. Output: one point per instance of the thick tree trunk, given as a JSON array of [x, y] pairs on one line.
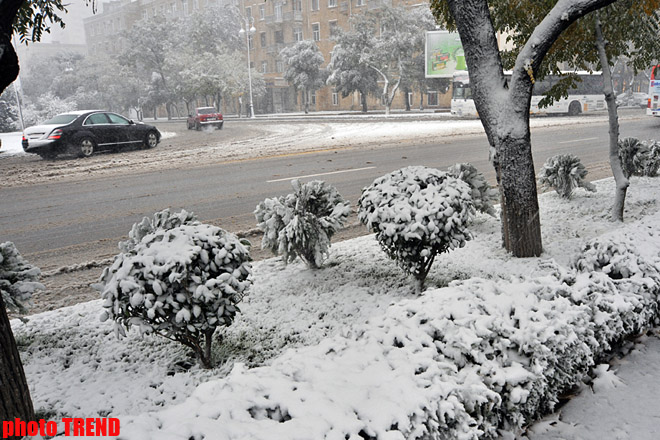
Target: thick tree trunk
[[620, 179], [406, 91], [306, 95], [421, 100], [15, 399]]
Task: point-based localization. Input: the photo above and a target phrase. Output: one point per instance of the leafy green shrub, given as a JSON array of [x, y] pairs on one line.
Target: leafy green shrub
[[417, 213], [177, 278], [564, 173], [18, 279], [483, 195], [301, 224]]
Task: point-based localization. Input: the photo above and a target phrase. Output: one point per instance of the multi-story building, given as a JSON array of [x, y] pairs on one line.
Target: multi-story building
[[278, 23]]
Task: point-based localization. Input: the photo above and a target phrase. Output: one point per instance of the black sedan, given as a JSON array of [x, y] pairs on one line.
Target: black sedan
[[85, 132]]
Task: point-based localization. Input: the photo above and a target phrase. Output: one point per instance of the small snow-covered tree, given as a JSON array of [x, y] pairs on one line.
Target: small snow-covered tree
[[483, 195], [651, 162], [638, 158], [564, 173], [303, 61], [177, 278], [301, 224], [18, 279], [417, 213]]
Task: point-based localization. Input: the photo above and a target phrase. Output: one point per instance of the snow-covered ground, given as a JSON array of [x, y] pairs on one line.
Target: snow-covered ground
[[322, 341]]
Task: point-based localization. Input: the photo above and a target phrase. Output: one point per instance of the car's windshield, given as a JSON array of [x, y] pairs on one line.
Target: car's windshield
[[61, 119], [205, 110]]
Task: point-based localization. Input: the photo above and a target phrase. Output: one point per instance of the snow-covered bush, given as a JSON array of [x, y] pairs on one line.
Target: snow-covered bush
[[483, 195], [301, 224], [651, 159], [417, 213], [177, 278], [18, 279], [632, 153], [564, 173]]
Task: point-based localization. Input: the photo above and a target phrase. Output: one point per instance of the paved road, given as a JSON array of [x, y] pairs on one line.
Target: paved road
[[62, 218]]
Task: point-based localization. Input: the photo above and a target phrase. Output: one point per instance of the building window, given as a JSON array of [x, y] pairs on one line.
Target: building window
[[185, 6], [297, 5], [173, 5], [264, 66], [314, 5], [144, 14], [297, 34], [432, 98], [248, 11], [262, 12], [333, 28], [313, 98], [251, 64], [316, 31], [278, 11], [279, 66], [410, 98], [335, 98], [360, 2], [251, 41], [332, 3], [263, 39], [279, 37]]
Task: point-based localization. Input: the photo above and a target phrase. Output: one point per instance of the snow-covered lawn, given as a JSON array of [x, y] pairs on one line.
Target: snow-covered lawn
[[348, 351]]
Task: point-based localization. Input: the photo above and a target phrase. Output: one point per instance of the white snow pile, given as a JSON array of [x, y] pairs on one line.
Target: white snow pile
[[487, 353]]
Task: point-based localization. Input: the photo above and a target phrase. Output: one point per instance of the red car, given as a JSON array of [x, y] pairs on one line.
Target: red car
[[205, 116]]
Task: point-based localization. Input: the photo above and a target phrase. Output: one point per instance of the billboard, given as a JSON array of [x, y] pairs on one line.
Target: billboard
[[444, 54]]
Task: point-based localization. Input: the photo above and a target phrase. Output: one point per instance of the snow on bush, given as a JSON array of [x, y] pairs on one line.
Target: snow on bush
[[564, 173], [301, 224], [176, 278], [460, 362], [639, 158], [417, 213], [18, 279], [483, 195]]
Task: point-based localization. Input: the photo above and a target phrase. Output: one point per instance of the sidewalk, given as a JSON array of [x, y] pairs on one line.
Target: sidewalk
[[624, 403]]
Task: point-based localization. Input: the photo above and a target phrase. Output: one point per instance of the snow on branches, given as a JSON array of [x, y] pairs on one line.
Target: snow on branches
[[18, 279], [178, 278], [417, 213], [302, 223], [639, 158], [564, 173]]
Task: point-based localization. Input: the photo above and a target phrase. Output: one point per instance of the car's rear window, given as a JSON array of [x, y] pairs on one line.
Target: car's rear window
[[205, 111], [61, 119]]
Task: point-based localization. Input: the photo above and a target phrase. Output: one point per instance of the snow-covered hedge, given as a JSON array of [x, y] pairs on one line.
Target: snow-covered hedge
[[564, 173], [302, 224], [456, 363], [18, 279], [639, 158], [417, 213], [483, 195], [177, 278]]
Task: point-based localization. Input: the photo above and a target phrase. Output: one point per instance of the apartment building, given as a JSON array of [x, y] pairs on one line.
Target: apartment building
[[280, 23]]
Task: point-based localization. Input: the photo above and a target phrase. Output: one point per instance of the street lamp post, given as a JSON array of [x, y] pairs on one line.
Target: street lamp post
[[249, 30]]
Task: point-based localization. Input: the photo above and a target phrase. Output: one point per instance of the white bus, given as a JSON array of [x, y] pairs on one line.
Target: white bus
[[653, 106], [586, 97]]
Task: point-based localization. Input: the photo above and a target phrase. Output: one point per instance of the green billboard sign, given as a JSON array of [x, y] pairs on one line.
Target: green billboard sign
[[444, 54]]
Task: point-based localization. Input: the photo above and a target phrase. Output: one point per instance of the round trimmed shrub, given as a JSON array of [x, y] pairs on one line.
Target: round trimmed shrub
[[483, 195], [301, 224], [417, 213], [564, 173], [177, 278]]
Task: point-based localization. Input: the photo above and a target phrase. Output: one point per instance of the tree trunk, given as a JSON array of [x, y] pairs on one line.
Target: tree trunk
[[306, 97], [421, 100], [363, 100], [620, 179], [15, 401], [406, 91]]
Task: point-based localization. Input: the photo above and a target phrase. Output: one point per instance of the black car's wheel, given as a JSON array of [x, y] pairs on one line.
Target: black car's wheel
[[574, 109], [220, 125], [86, 146], [151, 140]]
